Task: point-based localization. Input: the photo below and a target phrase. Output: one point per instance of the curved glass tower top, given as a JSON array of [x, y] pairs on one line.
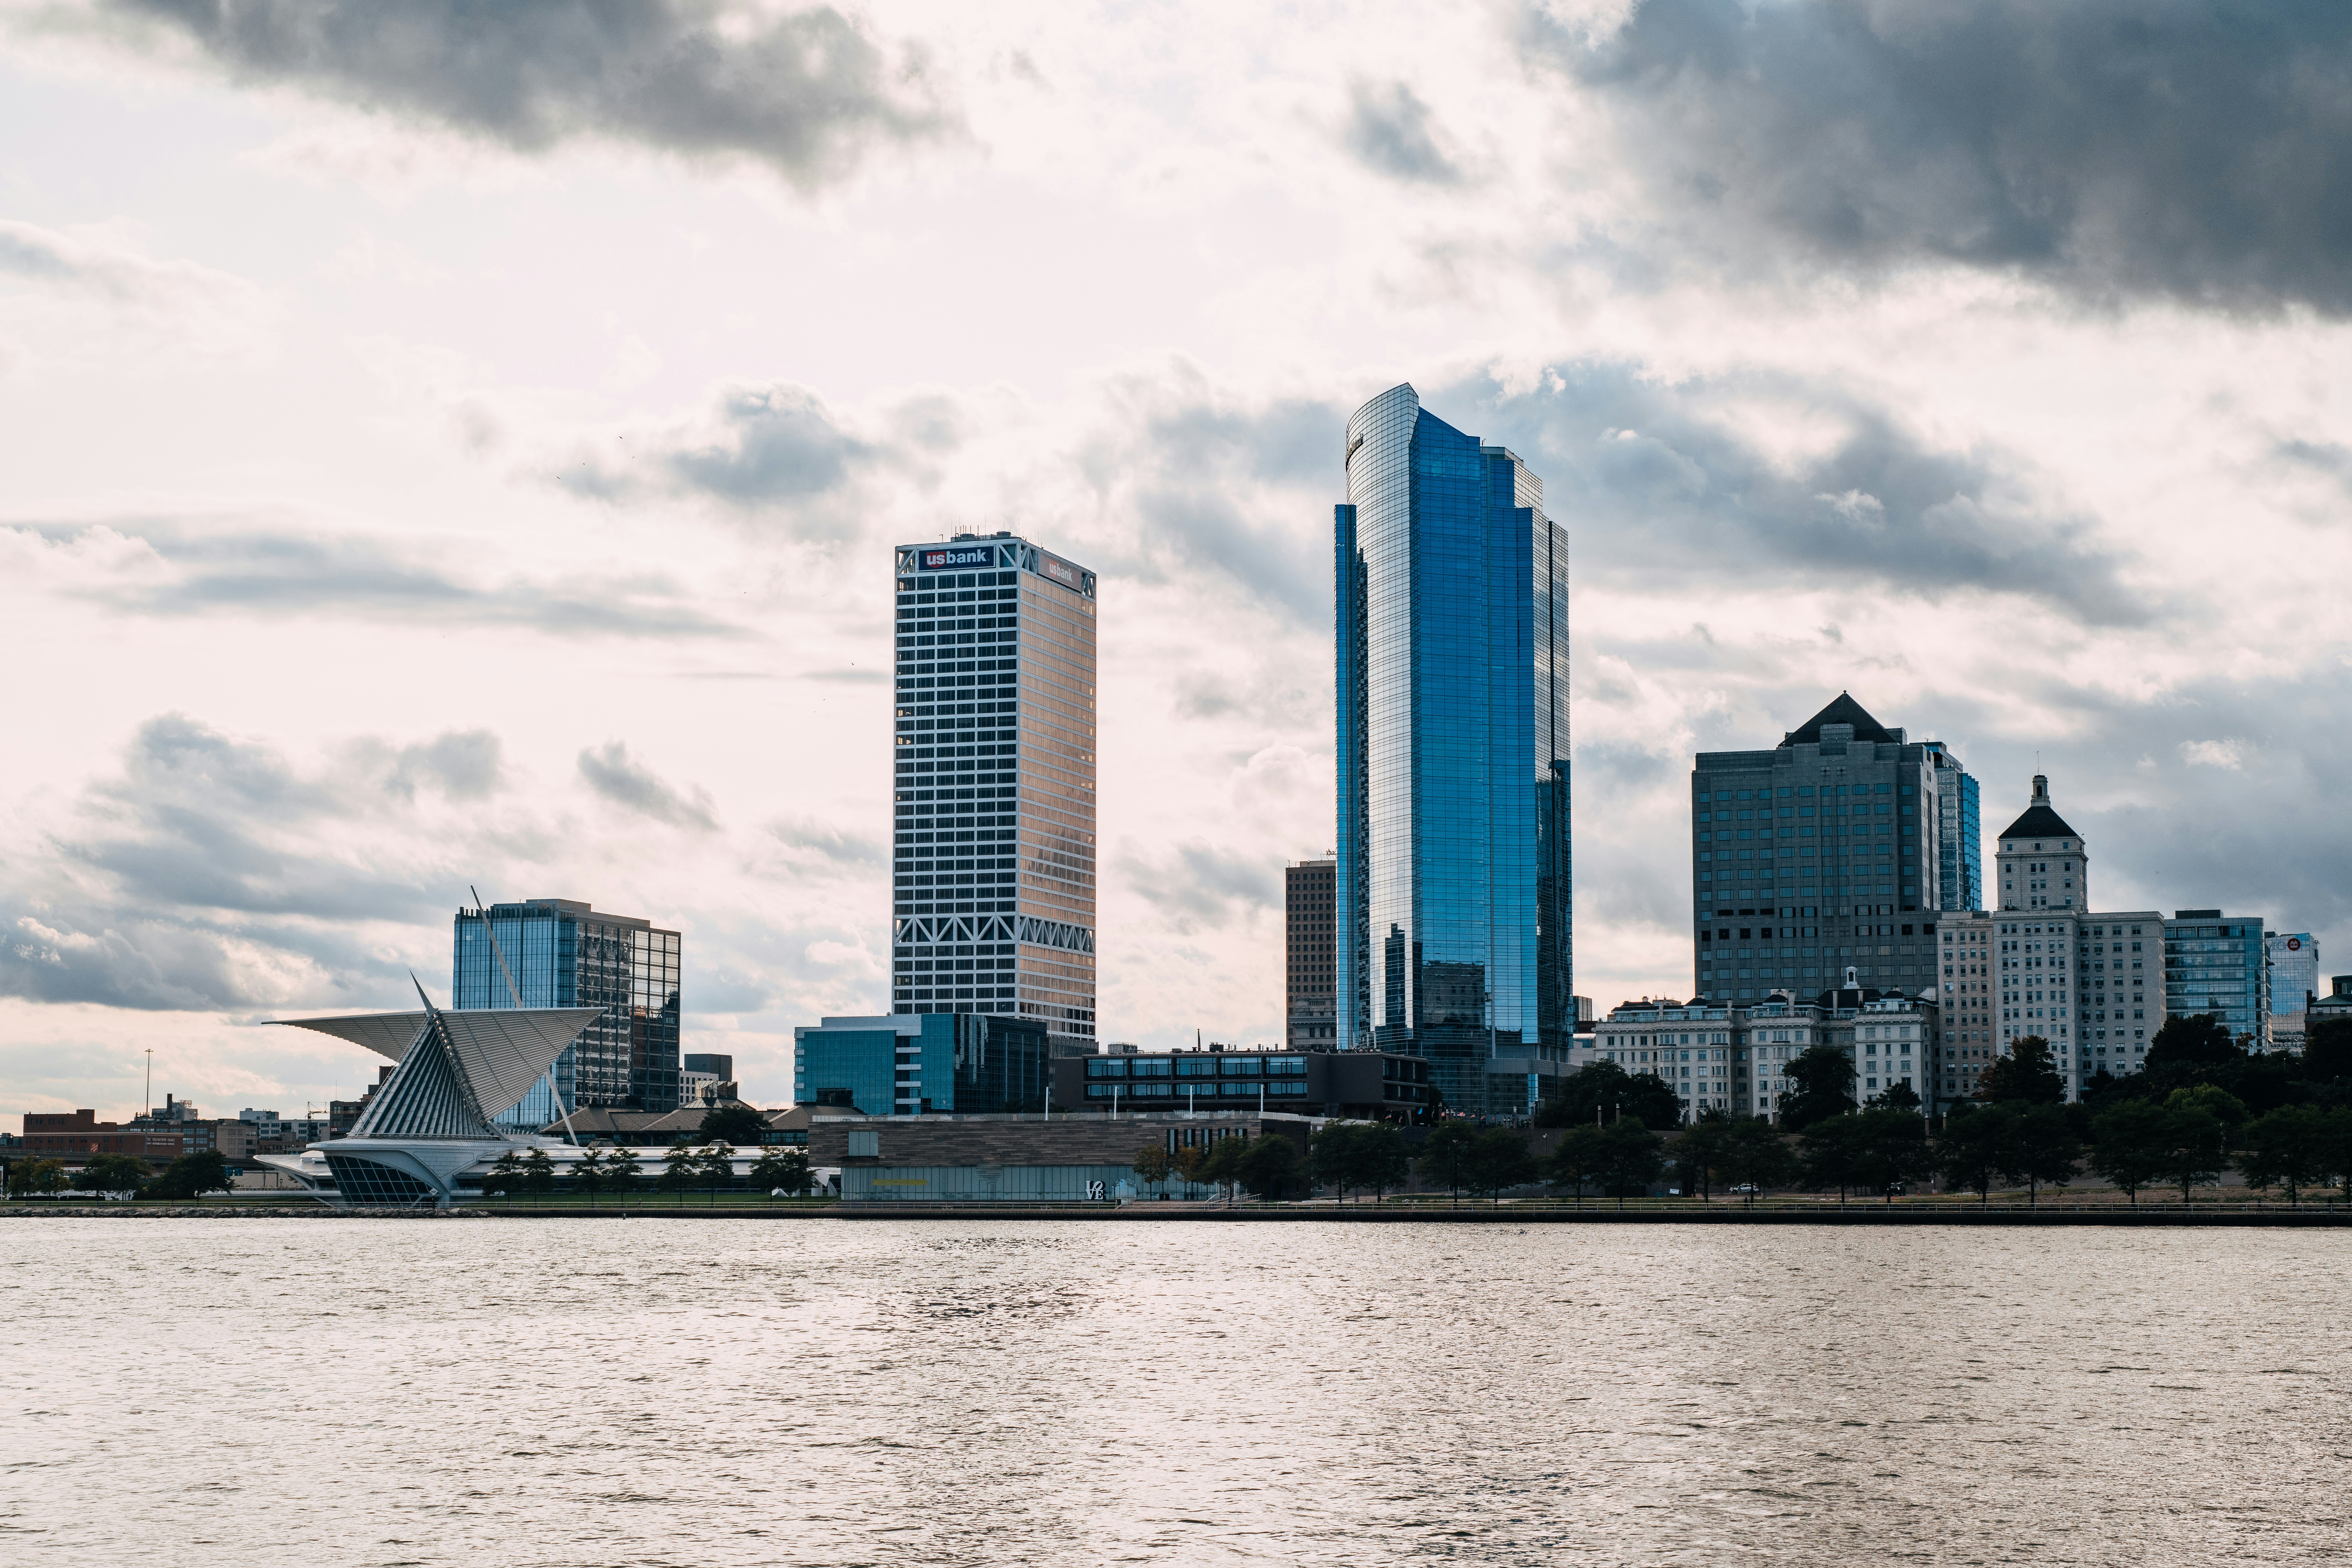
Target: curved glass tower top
[[1454, 870]]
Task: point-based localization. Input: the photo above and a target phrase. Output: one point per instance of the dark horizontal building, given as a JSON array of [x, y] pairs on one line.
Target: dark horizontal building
[[1306, 1083]]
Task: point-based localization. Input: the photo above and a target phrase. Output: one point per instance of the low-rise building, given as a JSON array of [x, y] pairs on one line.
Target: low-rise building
[[1365, 1084], [1734, 1059], [913, 1064], [76, 1137]]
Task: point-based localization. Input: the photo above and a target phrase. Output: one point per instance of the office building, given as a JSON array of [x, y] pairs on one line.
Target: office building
[[1453, 884], [1959, 844], [2295, 983], [2214, 964], [992, 896], [1821, 853], [1364, 1085], [1310, 1018], [915, 1064], [563, 953], [1734, 1059]]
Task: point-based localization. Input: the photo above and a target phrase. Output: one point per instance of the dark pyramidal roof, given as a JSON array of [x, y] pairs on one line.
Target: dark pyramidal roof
[[2040, 821], [1845, 711]]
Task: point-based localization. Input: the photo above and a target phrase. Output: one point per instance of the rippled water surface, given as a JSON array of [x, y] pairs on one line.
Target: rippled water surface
[[723, 1392]]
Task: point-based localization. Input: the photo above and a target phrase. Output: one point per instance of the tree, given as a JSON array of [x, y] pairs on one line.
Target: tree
[[588, 1175], [716, 1166], [622, 1173], [1833, 1154], [1603, 1091], [734, 1122], [2128, 1146], [1896, 1096], [2044, 1149], [504, 1178], [1500, 1158], [113, 1173], [1382, 1161], [1974, 1144], [1700, 1150], [2286, 1148], [1579, 1156], [1445, 1155], [46, 1178], [2027, 1075], [194, 1175], [1755, 1156], [1154, 1164], [2194, 1044], [2194, 1142], [1270, 1165], [787, 1171], [2326, 1050], [538, 1175], [1221, 1167], [680, 1169], [1823, 1076], [1631, 1156], [1888, 1149]]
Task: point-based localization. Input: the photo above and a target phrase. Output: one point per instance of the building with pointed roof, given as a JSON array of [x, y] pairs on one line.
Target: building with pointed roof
[[455, 1073], [2043, 863], [1827, 850]]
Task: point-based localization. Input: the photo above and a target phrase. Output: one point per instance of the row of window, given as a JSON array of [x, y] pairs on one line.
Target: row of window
[[1275, 1088]]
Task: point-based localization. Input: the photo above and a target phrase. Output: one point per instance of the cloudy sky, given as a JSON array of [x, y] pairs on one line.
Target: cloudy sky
[[447, 444]]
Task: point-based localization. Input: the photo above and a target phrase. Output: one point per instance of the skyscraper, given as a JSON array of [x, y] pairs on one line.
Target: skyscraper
[[1820, 853], [1960, 836], [993, 897], [562, 953], [1454, 870], [1310, 1021]]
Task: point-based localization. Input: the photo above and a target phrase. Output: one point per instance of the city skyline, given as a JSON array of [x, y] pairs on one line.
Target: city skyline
[[410, 489]]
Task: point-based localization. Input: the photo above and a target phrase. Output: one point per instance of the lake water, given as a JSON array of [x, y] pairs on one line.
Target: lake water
[[714, 1392]]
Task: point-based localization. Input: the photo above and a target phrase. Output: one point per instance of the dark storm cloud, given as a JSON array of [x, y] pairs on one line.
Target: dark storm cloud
[[185, 883], [1657, 486], [2217, 793], [1390, 130], [2172, 149], [773, 455], [780, 445], [286, 574], [807, 93], [620, 778]]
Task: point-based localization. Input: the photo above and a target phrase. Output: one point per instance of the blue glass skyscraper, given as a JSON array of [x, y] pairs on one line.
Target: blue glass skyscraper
[[564, 953], [1453, 882]]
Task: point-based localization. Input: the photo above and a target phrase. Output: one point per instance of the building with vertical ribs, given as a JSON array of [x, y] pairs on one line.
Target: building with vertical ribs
[[993, 874], [1310, 996]]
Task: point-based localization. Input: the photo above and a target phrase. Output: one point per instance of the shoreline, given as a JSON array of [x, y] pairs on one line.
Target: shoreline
[[2152, 1217]]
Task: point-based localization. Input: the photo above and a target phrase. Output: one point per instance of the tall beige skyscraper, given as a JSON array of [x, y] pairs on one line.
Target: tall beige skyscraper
[[993, 874], [1310, 990]]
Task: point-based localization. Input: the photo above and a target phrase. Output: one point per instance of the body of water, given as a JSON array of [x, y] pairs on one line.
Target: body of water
[[716, 1392]]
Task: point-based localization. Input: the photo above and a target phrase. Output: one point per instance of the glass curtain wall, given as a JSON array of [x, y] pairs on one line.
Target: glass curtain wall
[[1452, 635], [563, 954]]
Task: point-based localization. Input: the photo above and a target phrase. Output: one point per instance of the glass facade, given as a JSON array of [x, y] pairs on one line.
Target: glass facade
[[902, 1064], [563, 953], [993, 895], [2215, 964], [1961, 847], [1453, 874], [1820, 855]]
